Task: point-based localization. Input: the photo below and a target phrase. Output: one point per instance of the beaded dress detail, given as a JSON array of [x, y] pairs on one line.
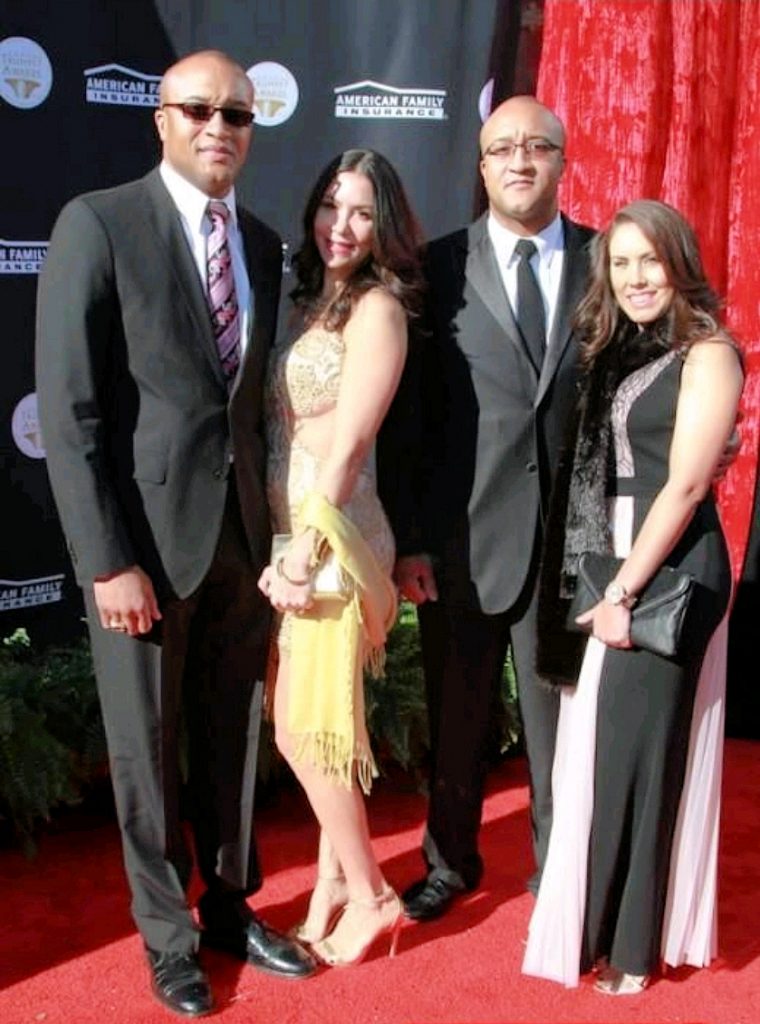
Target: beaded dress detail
[[304, 382]]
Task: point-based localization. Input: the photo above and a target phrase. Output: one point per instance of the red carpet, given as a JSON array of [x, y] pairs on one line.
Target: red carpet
[[69, 954]]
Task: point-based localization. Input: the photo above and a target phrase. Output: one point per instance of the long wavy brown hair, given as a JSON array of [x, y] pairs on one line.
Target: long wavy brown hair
[[693, 313], [394, 262]]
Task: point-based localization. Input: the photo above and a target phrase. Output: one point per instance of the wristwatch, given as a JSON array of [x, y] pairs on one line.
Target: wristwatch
[[615, 593]]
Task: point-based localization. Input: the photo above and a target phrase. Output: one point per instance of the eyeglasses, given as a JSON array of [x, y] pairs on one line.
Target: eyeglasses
[[537, 149], [202, 112]]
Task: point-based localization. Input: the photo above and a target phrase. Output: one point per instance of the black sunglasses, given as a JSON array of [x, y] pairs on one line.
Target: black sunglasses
[[201, 112]]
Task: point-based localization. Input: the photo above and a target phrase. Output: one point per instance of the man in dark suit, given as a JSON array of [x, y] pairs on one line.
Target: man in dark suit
[[156, 311], [497, 385]]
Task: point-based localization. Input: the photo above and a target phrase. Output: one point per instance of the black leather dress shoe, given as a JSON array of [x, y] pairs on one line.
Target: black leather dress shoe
[[428, 899], [262, 947], [179, 983]]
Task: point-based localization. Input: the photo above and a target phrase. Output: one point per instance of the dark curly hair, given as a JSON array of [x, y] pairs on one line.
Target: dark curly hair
[[693, 314], [394, 262]]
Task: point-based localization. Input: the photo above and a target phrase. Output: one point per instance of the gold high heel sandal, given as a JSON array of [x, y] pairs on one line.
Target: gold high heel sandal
[[613, 982], [308, 935], [392, 918]]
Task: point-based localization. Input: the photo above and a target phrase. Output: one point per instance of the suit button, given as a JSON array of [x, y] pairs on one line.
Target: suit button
[[218, 474], [531, 467]]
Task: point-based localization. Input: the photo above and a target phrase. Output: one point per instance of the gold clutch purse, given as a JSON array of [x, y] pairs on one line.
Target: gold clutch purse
[[330, 581]]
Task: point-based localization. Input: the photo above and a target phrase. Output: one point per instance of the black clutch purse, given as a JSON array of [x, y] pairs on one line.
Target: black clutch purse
[[657, 617]]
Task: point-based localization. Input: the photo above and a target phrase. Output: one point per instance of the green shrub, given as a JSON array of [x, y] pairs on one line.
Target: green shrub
[[52, 744], [396, 706], [51, 734]]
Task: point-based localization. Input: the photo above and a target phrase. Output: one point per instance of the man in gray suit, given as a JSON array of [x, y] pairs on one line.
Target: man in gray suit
[[498, 379], [156, 311]]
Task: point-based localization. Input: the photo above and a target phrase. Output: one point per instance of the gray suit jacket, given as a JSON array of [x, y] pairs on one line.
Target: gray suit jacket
[[137, 423], [491, 430]]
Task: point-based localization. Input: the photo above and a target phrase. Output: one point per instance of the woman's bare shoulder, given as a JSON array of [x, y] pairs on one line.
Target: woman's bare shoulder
[[377, 312], [718, 352], [378, 301]]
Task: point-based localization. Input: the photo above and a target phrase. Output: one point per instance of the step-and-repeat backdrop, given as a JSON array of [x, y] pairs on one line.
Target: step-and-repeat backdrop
[[78, 87], [412, 78]]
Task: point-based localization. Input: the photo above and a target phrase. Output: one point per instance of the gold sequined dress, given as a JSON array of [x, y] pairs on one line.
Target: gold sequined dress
[[304, 381]]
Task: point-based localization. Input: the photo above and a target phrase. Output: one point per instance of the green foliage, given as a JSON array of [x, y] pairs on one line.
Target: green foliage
[[51, 734], [396, 706], [507, 715], [52, 744]]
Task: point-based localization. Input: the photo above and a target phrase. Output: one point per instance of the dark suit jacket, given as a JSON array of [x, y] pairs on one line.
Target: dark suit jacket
[[134, 410], [491, 430]]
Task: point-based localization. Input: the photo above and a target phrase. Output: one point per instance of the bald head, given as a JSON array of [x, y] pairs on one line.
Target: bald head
[[517, 110], [197, 94], [521, 179], [200, 63]]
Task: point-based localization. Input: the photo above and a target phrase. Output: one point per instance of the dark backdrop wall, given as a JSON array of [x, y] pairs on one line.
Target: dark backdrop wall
[[78, 86]]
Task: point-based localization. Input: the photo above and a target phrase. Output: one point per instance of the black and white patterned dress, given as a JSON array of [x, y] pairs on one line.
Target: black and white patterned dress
[[629, 734]]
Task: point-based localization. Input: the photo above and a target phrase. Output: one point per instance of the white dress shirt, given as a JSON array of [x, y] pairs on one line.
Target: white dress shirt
[[547, 263], [192, 205]]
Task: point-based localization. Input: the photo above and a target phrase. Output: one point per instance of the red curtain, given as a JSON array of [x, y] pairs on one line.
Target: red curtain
[[661, 99]]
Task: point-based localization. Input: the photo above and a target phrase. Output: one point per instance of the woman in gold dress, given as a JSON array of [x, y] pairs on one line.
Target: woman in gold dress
[[329, 388]]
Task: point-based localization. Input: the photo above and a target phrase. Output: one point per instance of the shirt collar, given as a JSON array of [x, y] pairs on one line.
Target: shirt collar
[[548, 241], [190, 201]]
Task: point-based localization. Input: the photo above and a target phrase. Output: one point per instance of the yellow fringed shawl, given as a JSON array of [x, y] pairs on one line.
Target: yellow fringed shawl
[[329, 647]]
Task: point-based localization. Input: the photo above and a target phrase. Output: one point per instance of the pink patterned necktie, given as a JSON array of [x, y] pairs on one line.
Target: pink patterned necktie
[[222, 299]]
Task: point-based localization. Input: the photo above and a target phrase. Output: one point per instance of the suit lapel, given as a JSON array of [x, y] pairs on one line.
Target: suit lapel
[[574, 277], [252, 251], [255, 270], [260, 299], [482, 271], [171, 238]]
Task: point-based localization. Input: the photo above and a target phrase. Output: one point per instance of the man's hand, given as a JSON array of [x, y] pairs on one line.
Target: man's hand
[[415, 578], [126, 601]]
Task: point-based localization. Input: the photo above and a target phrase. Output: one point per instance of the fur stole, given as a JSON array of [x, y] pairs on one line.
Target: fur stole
[[577, 520]]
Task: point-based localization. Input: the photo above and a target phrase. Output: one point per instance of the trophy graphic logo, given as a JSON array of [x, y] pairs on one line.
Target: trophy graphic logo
[[275, 93], [26, 75]]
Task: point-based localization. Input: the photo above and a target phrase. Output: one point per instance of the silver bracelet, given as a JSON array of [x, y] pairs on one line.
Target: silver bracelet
[[280, 569]]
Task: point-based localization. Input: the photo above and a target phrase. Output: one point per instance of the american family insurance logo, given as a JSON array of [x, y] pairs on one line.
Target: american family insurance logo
[[275, 93], [373, 99], [25, 72], [22, 257], [28, 593], [115, 85]]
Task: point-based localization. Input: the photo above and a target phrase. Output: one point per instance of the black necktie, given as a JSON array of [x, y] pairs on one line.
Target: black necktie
[[530, 305]]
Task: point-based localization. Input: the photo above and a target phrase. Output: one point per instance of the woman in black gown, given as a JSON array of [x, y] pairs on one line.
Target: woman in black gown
[[661, 390]]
